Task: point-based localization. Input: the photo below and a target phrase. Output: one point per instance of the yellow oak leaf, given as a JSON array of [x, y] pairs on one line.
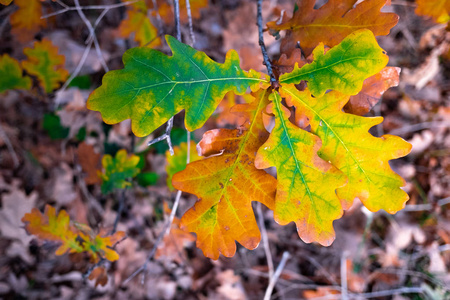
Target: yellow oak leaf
[[118, 170], [138, 23], [306, 184], [348, 145], [26, 20], [438, 10], [46, 64], [227, 183], [5, 2]]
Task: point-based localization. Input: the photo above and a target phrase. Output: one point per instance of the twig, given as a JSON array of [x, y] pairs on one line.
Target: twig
[[10, 147], [119, 211], [92, 33], [428, 206], [420, 126], [165, 136], [176, 4], [263, 46], [344, 289], [89, 7], [265, 239], [191, 28], [276, 275]]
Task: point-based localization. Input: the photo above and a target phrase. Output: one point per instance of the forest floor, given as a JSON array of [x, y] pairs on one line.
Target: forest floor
[[375, 255]]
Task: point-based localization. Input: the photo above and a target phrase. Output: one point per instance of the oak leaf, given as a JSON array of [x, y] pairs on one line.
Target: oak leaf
[[332, 22], [5, 2], [153, 87], [11, 75], [343, 68], [177, 162], [137, 22], [348, 145], [438, 10], [46, 64], [26, 20], [372, 90], [227, 183], [306, 184], [99, 275], [118, 170]]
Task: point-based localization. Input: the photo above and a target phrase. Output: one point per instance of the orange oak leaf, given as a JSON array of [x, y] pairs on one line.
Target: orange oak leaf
[[332, 22], [226, 184], [5, 2], [372, 91], [438, 10], [177, 162], [52, 227], [46, 64], [26, 21], [306, 184], [138, 23], [225, 115]]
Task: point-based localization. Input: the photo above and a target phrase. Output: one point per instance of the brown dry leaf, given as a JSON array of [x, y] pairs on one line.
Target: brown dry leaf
[[26, 21], [372, 91], [99, 275], [15, 205], [62, 185], [174, 242], [231, 287], [90, 162], [225, 116], [165, 10]]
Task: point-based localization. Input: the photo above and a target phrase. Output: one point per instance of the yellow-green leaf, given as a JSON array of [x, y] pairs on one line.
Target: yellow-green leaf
[[344, 67], [348, 145], [153, 87], [46, 64], [306, 189], [227, 183], [118, 170], [11, 75], [177, 162]]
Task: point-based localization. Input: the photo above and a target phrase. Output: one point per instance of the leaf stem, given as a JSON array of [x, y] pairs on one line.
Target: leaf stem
[[267, 63]]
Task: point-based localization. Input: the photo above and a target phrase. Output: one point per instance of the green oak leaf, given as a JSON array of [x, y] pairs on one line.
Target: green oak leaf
[[344, 67], [153, 87], [11, 75]]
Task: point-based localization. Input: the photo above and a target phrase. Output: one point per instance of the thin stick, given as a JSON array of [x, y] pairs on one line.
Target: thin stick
[[404, 290], [262, 45], [191, 27], [89, 7], [92, 33], [420, 126], [119, 211], [265, 239], [276, 275], [344, 289], [176, 4], [165, 136]]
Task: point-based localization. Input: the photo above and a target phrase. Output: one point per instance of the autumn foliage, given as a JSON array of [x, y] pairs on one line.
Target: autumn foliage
[[300, 143]]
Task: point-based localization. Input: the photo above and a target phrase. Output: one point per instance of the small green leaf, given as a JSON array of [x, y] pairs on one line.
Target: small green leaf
[[118, 170], [153, 87], [11, 75], [344, 67], [147, 178]]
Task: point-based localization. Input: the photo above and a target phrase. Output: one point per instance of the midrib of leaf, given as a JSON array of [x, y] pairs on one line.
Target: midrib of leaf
[[296, 27], [322, 68], [277, 104], [332, 130], [233, 167]]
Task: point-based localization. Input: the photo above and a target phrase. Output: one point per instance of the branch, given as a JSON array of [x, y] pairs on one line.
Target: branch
[[265, 239], [267, 62], [276, 275], [89, 7], [191, 28]]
